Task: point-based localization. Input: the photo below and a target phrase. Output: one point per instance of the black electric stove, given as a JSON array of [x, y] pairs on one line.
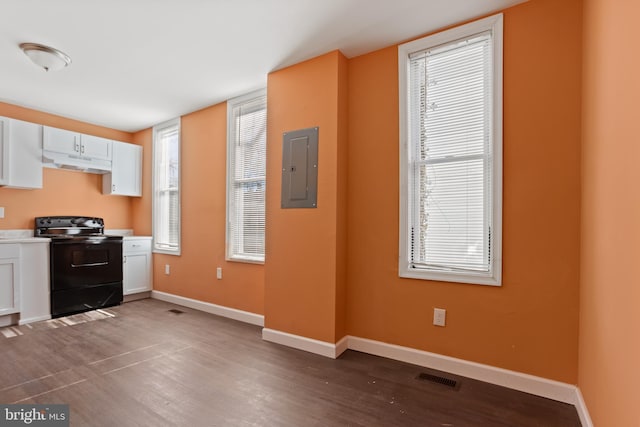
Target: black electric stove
[[86, 264]]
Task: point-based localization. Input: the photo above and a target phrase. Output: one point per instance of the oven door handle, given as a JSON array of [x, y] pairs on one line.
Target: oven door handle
[[95, 264]]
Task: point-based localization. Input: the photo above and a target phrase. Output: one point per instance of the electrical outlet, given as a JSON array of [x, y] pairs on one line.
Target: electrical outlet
[[439, 316], [219, 273], [167, 269]]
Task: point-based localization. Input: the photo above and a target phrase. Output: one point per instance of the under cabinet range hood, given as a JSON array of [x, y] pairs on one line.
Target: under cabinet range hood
[[57, 160], [65, 149]]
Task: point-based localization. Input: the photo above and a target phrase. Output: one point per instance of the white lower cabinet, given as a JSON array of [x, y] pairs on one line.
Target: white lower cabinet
[[34, 289], [24, 281], [136, 271], [9, 279]]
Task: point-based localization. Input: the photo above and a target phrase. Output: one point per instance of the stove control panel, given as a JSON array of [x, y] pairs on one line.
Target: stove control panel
[[67, 224]]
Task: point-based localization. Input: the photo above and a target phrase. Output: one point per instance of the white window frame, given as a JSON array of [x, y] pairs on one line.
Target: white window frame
[[405, 269], [230, 255], [157, 248]]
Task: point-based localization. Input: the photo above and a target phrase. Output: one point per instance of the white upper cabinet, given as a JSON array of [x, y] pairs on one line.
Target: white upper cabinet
[[95, 147], [25, 148], [68, 142], [61, 141], [125, 178], [20, 154], [73, 150], [4, 151]]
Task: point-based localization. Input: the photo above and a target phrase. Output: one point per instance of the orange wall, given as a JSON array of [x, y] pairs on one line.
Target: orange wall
[[64, 192], [302, 283], [530, 324], [203, 214], [342, 200], [141, 206], [610, 293]]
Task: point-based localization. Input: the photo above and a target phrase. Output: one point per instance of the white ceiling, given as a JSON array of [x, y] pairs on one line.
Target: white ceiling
[[137, 63]]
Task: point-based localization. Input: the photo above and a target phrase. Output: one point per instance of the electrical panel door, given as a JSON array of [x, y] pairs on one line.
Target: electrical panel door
[[300, 168]]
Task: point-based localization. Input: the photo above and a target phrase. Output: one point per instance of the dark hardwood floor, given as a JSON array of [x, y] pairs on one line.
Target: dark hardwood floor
[[151, 367]]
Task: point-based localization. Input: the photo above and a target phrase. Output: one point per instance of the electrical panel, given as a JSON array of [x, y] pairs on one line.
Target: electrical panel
[[300, 168]]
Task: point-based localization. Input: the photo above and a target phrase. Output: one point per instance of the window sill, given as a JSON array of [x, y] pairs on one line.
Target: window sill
[[166, 252], [246, 260], [488, 279]]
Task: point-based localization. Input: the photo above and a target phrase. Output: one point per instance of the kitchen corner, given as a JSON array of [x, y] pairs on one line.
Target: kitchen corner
[[25, 274]]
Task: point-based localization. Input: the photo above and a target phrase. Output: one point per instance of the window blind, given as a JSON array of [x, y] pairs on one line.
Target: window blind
[[450, 158], [247, 179], [167, 187]]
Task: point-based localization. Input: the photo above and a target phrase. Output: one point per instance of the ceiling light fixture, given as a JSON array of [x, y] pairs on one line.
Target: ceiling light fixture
[[45, 56]]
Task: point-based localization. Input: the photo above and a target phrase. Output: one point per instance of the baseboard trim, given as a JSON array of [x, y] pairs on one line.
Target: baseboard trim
[[34, 319], [311, 345], [136, 296], [538, 386], [231, 313], [342, 346], [9, 319], [555, 390], [583, 412]]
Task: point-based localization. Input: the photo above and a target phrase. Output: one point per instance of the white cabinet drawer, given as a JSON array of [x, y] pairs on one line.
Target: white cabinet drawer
[[136, 245]]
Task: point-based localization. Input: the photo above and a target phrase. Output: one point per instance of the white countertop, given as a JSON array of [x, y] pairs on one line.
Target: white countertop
[[20, 236], [24, 240], [118, 232], [26, 236]]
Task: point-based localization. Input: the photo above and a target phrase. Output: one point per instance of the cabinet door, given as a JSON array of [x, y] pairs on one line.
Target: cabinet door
[[9, 286], [4, 150], [136, 274], [95, 147], [34, 282], [61, 141], [25, 154], [125, 178]]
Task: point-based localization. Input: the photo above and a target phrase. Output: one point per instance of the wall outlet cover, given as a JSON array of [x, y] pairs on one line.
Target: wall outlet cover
[[439, 316]]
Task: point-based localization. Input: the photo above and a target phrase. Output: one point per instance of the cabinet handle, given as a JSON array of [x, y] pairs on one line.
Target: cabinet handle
[[82, 149], [76, 144]]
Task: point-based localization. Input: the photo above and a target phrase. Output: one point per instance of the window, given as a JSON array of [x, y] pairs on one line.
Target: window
[[246, 176], [166, 187], [451, 155]]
